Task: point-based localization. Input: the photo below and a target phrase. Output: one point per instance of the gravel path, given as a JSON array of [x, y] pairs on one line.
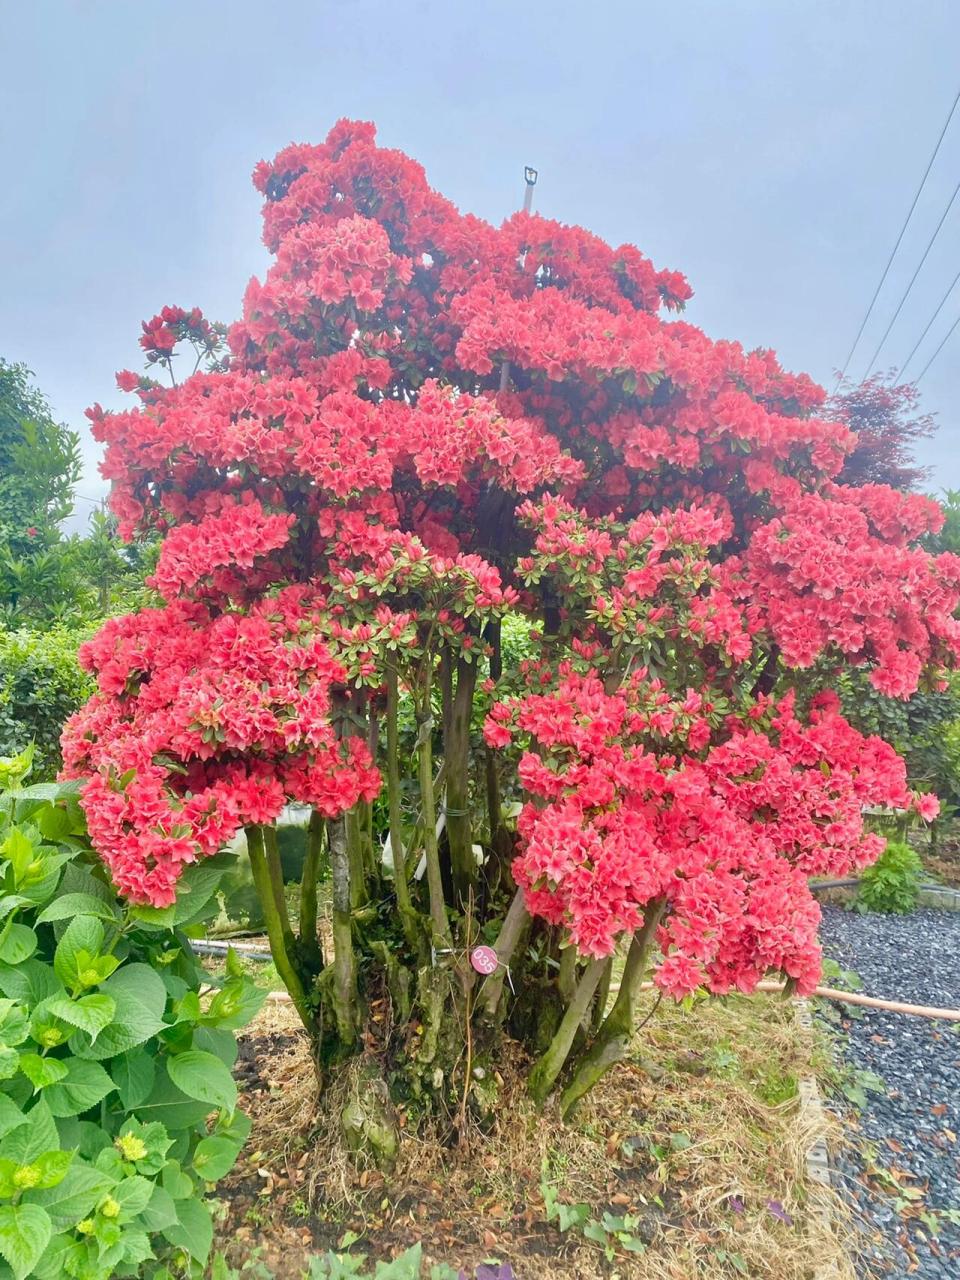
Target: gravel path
[[910, 1133]]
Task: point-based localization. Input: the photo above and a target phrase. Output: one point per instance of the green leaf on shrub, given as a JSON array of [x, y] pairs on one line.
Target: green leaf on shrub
[[42, 1072], [215, 1157], [68, 905], [205, 1077], [109, 1237], [187, 1008], [85, 1084], [8, 1188], [85, 1135], [29, 982], [80, 943], [45, 791], [236, 1127], [141, 999], [133, 1195], [235, 1005], [14, 1023], [406, 1267], [11, 1117], [52, 1167], [80, 879], [198, 884], [109, 1161], [17, 848], [222, 1044], [90, 1013], [54, 822], [161, 1212], [136, 1247], [60, 1254], [17, 943], [170, 1105], [75, 1197], [133, 1074], [28, 1141], [44, 887], [179, 1184], [9, 1063], [153, 917], [10, 902], [25, 1231], [193, 1231]]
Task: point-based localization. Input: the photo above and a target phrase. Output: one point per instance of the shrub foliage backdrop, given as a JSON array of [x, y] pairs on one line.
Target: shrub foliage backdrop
[[40, 686], [427, 428]]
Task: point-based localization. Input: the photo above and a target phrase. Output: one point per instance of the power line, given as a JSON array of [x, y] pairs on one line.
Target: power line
[[906, 292], [943, 343], [893, 252], [940, 304]]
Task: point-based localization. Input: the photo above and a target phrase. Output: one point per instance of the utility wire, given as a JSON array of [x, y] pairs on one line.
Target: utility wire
[[940, 305], [906, 292], [893, 252], [943, 343]]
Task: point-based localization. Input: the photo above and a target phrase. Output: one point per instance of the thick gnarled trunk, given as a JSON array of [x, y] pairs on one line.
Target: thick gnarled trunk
[[412, 956]]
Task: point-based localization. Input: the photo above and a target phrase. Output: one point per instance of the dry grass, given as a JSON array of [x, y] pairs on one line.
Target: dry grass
[[706, 1142]]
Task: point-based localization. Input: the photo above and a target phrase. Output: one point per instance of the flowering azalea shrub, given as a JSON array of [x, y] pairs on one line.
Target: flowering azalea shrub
[[425, 425]]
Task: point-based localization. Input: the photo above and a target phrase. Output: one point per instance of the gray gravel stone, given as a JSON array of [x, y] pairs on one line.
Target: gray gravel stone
[[914, 1124]]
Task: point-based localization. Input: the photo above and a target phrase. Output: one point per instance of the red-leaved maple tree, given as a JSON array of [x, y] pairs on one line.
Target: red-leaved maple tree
[[533, 592]]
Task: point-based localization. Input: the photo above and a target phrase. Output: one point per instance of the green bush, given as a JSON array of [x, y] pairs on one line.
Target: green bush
[[117, 1103], [41, 684], [893, 882]]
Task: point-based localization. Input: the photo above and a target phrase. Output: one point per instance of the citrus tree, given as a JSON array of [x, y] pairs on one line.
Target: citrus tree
[[430, 434]]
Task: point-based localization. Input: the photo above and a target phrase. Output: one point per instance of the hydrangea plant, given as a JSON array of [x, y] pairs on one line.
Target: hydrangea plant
[[118, 1110]]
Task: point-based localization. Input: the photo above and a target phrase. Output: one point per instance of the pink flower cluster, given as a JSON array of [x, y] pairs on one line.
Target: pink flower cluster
[[165, 330], [835, 572], [641, 795], [235, 532], [203, 723]]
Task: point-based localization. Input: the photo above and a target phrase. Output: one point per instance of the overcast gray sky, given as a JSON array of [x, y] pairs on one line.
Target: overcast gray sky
[[769, 149]]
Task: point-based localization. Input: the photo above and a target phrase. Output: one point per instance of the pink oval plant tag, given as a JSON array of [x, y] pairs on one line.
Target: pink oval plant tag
[[484, 959]]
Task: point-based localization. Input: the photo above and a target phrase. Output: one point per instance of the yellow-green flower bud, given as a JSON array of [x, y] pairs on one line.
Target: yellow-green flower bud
[[109, 1208], [130, 1146]]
